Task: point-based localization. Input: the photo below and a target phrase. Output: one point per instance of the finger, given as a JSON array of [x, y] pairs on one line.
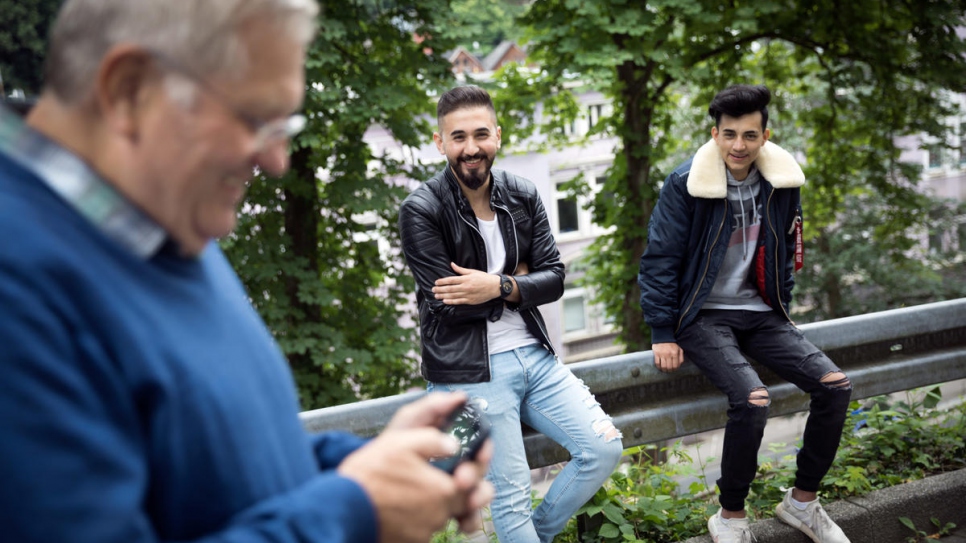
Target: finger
[[429, 410], [426, 442], [459, 270], [468, 475], [471, 522], [470, 519]]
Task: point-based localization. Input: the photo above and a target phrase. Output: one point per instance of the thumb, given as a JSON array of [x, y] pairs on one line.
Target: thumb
[[425, 442], [460, 270]]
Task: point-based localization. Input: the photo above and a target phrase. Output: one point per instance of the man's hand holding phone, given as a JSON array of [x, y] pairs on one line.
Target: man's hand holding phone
[[412, 497], [468, 425]]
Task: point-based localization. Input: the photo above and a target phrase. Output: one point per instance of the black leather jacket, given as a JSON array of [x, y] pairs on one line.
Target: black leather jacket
[[438, 226]]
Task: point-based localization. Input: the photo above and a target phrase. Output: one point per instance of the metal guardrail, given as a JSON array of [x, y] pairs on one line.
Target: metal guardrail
[[883, 352]]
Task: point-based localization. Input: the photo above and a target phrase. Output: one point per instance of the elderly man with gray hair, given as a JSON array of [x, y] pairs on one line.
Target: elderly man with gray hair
[[143, 399]]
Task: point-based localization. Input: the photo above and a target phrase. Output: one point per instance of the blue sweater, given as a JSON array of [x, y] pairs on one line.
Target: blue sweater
[[143, 399]]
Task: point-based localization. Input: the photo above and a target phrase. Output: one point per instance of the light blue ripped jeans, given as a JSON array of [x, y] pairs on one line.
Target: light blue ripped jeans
[[529, 384]]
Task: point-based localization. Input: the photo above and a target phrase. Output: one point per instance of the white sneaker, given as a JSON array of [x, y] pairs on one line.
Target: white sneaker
[[730, 530], [813, 521]]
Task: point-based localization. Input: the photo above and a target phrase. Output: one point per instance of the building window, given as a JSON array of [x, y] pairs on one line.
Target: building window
[[573, 216], [570, 129], [567, 220], [574, 318], [935, 155], [594, 113]]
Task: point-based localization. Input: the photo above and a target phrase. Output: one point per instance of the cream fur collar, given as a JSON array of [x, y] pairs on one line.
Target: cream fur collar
[[707, 178]]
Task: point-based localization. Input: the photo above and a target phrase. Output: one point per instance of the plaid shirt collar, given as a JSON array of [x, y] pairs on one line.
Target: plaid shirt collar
[[74, 181]]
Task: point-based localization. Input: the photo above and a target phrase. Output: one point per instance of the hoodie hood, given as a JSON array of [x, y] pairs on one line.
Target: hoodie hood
[[708, 178]]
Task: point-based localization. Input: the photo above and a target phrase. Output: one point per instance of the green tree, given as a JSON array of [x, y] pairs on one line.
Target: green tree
[[486, 23], [307, 246], [877, 68], [24, 25]]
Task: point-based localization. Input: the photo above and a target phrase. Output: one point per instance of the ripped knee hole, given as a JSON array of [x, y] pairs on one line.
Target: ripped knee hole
[[607, 429], [836, 380], [759, 398]]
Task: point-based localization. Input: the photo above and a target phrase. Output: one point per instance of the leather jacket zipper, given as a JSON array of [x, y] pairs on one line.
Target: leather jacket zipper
[[516, 242]]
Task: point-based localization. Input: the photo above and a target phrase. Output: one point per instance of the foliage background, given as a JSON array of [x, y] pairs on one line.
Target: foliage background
[[318, 249], [848, 79]]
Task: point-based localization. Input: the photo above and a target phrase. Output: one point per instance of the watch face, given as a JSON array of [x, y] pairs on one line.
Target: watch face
[[507, 286]]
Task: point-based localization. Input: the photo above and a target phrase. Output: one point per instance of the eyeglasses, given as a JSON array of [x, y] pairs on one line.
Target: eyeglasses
[[266, 132]]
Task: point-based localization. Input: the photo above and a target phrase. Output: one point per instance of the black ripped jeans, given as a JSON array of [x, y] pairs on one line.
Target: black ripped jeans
[[716, 342]]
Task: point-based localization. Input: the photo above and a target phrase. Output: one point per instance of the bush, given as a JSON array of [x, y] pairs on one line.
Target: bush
[[884, 445]]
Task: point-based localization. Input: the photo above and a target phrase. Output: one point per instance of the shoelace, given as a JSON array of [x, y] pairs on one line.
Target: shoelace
[[821, 520], [745, 535]]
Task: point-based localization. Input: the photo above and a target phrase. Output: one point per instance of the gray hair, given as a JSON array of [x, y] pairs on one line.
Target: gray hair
[[201, 34]]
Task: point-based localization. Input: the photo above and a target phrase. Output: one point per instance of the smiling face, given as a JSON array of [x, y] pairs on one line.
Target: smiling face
[[470, 138], [739, 141], [194, 161]]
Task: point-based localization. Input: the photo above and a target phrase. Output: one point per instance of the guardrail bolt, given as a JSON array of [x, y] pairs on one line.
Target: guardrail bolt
[[635, 372]]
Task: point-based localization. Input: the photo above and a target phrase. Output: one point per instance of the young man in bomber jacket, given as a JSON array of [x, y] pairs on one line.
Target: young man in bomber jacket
[[480, 247], [716, 279]]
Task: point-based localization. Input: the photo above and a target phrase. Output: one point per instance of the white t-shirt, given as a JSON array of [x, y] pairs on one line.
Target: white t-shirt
[[510, 331]]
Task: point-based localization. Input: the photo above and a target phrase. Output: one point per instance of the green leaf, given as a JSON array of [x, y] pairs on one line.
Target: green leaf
[[608, 531]]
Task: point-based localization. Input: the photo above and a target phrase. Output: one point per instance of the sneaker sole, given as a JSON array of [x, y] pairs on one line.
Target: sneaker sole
[[790, 520]]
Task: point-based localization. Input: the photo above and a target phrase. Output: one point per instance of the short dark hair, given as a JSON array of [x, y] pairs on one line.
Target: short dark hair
[[738, 100], [463, 96]]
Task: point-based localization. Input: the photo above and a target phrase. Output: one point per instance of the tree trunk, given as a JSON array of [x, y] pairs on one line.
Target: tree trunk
[[831, 284], [301, 227], [636, 143]]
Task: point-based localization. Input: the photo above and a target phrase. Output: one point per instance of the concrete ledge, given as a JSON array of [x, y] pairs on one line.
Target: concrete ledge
[[874, 518]]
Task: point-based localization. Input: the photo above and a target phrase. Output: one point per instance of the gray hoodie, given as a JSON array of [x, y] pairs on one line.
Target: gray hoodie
[[733, 288]]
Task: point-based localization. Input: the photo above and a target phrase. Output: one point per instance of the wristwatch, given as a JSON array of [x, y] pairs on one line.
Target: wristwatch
[[506, 286]]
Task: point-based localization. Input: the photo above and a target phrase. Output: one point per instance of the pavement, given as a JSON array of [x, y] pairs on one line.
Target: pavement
[[958, 536]]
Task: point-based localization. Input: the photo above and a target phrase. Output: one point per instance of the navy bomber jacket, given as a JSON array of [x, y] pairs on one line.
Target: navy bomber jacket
[[437, 226], [689, 231]]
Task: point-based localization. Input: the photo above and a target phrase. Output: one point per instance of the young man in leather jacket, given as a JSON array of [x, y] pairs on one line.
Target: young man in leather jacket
[[716, 279], [480, 247]]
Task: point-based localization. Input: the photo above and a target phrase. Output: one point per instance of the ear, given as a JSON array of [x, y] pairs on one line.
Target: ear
[[714, 133], [439, 142], [766, 134], [125, 78], [499, 137]]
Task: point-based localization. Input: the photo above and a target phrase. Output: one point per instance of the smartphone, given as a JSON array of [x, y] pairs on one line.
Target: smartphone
[[468, 424]]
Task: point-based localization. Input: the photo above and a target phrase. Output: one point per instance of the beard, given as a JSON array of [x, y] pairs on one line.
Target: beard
[[473, 179]]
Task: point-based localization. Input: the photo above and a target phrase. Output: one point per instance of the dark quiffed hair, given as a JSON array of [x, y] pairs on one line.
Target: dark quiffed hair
[[461, 97], [738, 100]]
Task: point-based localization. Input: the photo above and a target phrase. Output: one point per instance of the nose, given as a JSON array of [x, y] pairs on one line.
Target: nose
[[739, 144], [471, 148], [273, 158]]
